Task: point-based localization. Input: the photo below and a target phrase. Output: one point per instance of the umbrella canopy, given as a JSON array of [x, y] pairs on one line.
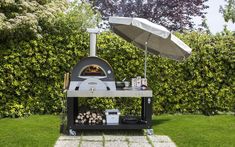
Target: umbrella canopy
[[152, 37]]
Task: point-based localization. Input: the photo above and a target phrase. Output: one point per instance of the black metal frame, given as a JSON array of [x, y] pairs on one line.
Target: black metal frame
[[146, 116]]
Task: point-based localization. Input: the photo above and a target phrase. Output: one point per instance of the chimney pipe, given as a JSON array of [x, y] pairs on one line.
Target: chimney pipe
[[93, 32]]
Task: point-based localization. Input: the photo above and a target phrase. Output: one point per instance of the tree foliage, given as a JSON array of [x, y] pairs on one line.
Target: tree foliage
[[229, 11], [173, 14], [31, 72], [25, 20]]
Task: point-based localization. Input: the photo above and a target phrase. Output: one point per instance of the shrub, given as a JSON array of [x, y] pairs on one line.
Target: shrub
[[31, 72]]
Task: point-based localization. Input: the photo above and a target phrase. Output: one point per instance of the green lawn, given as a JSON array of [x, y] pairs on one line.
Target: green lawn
[[184, 130], [34, 131], [197, 130]]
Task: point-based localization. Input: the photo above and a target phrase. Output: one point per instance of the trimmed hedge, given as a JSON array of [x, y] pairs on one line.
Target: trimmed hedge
[[203, 83], [32, 74]]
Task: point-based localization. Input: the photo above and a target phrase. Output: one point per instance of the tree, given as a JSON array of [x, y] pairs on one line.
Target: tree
[[25, 19], [77, 18], [228, 11], [203, 27], [173, 14], [31, 70]]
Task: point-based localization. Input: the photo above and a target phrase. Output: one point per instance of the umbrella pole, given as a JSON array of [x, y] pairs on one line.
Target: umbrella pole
[[145, 59]]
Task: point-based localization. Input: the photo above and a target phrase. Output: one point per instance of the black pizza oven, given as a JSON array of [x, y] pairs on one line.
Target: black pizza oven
[[94, 77], [92, 73]]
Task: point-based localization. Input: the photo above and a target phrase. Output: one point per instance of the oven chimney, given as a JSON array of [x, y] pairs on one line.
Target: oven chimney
[[93, 32]]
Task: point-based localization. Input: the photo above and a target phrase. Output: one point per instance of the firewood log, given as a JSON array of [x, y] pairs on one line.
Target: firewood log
[[93, 114]]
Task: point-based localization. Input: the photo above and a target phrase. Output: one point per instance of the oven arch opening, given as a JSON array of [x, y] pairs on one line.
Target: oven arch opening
[[92, 71]]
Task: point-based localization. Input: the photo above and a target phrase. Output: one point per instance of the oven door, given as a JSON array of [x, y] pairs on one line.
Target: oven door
[[92, 84]]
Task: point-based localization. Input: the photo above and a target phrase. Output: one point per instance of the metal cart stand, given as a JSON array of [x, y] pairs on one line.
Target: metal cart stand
[[146, 111]]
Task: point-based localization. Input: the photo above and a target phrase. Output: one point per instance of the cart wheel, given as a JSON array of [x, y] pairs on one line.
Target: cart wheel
[[149, 131], [72, 132]]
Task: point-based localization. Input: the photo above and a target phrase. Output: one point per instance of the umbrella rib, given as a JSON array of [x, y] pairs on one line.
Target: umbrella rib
[[148, 37], [142, 31]]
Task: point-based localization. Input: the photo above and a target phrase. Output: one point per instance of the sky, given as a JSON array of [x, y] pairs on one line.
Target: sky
[[215, 19]]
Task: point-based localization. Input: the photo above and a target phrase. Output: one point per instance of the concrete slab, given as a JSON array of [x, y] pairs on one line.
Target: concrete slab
[[92, 138], [137, 139], [67, 143], [91, 144], [69, 137], [165, 144], [116, 144], [135, 144], [159, 138], [114, 138]]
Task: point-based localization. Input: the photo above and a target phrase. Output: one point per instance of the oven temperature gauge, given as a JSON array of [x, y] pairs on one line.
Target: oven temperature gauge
[[109, 71]]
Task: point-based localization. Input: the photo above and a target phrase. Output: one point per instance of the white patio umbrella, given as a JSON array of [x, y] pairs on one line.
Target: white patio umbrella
[[151, 37]]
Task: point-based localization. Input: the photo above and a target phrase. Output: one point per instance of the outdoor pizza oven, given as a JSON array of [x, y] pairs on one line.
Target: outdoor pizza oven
[[94, 77], [92, 74]]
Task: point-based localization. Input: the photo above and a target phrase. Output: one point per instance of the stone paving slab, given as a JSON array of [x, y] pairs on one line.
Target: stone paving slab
[[115, 140], [92, 137], [137, 139], [67, 143], [115, 137], [116, 144], [159, 138], [91, 144], [69, 137], [161, 141], [134, 144], [166, 144]]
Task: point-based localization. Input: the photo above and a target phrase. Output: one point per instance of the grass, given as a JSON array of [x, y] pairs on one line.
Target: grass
[[184, 130], [197, 130], [34, 131]]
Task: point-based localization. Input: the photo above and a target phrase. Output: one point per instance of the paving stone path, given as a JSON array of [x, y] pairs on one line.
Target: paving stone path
[[103, 139]]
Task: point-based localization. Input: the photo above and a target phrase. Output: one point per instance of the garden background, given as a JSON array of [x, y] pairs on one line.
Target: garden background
[[38, 48]]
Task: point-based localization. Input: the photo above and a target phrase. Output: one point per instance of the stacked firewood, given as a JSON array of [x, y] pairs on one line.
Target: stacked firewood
[[90, 117]]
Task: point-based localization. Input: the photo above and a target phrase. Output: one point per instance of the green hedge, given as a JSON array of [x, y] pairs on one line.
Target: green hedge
[[31, 74], [203, 83]]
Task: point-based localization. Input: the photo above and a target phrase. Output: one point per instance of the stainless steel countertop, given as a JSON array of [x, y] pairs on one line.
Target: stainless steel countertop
[[131, 92]]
